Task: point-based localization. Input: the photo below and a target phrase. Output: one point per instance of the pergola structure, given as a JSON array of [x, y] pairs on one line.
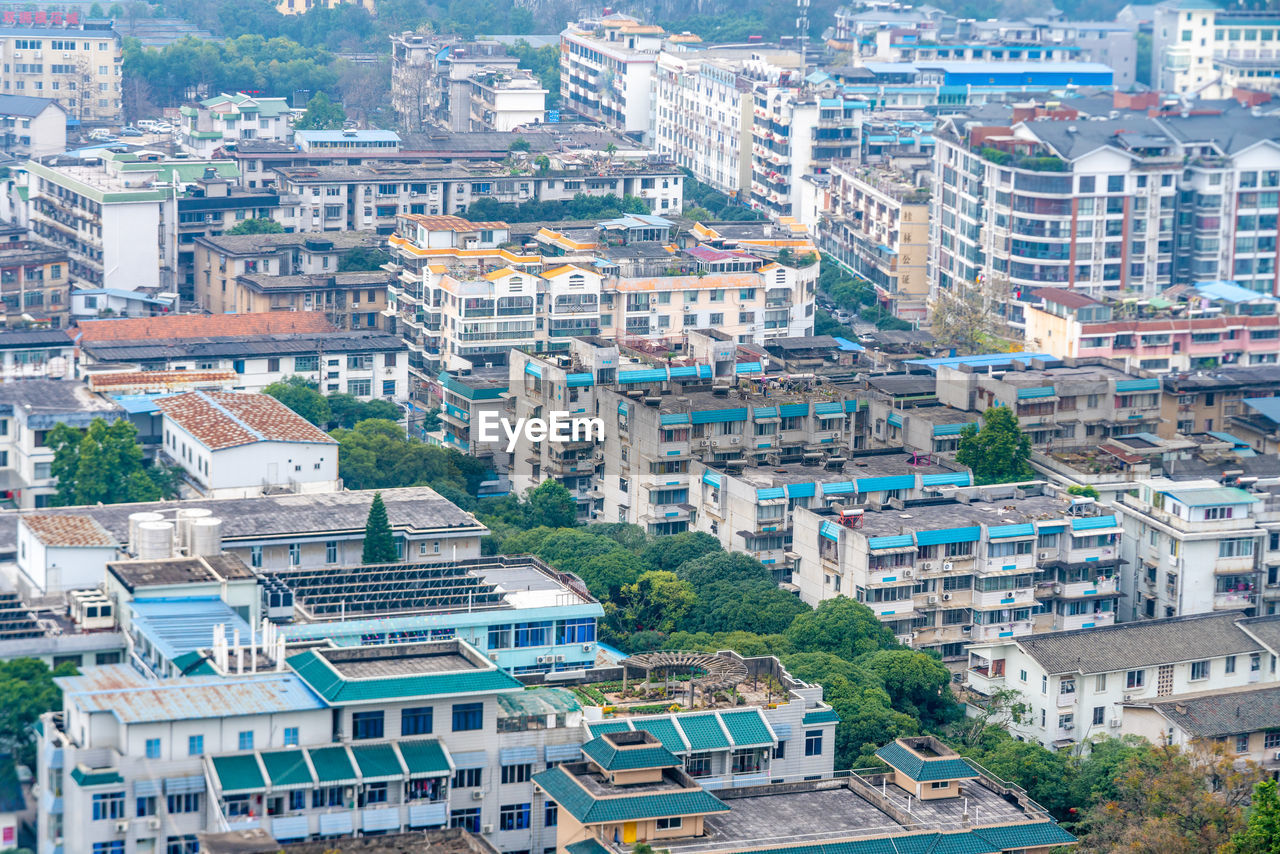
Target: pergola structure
[[709, 672]]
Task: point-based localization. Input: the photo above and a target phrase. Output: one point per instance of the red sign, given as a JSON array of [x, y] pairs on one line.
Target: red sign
[[40, 19]]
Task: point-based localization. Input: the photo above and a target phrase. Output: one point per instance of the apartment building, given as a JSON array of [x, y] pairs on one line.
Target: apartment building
[[751, 509], [219, 261], [432, 78], [1188, 38], [35, 280], [714, 404], [223, 120], [32, 126], [506, 100], [29, 409], [878, 227], [1193, 547], [1083, 683], [76, 63], [463, 396], [243, 352], [118, 216], [1211, 325], [1244, 719], [369, 198], [606, 67], [36, 353], [334, 742], [976, 564], [1208, 401], [299, 7]]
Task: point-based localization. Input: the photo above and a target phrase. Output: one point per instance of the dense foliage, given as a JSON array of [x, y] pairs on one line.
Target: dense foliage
[[26, 692], [999, 452], [104, 465], [379, 541], [705, 203], [335, 410], [580, 206], [851, 293]]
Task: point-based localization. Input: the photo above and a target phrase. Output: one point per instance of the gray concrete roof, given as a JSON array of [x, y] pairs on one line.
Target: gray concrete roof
[[1218, 713], [937, 514], [1146, 643]]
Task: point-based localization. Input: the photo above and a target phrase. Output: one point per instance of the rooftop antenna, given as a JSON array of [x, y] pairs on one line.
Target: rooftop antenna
[[802, 32]]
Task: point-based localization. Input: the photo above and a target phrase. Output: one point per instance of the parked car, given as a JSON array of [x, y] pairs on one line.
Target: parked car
[[131, 132]]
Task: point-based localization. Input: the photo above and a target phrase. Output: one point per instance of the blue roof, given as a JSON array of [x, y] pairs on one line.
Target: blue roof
[[981, 360], [175, 626], [847, 345], [1227, 437], [1267, 407], [1230, 292], [138, 404]]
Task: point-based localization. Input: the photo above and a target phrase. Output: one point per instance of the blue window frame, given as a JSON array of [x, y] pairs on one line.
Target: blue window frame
[[468, 716], [576, 631], [533, 634], [367, 725], [416, 721]]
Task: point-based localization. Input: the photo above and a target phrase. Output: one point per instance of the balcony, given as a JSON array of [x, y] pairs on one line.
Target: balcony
[[1084, 621], [897, 610], [1234, 600], [1083, 589], [1002, 630], [1003, 598]]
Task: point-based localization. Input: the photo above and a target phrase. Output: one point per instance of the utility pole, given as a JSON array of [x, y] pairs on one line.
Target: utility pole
[[802, 32]]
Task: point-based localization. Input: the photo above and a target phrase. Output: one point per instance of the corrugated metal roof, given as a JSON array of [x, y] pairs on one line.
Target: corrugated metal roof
[[201, 697], [177, 626]]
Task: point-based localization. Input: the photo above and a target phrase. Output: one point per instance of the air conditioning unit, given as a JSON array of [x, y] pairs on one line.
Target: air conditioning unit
[[1277, 756], [546, 659], [153, 823], [122, 827], [586, 647], [493, 656], [1044, 555], [1068, 727], [1114, 723], [946, 597], [907, 573], [947, 565], [477, 794], [559, 658], [966, 629], [933, 600], [927, 566], [486, 828], [735, 440]]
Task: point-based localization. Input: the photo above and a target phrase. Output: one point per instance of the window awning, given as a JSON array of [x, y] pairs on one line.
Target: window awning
[[378, 763], [333, 766], [517, 755], [288, 769], [238, 774], [425, 757]]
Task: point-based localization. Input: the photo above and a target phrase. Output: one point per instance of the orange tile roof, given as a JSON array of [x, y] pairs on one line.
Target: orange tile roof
[[452, 223], [66, 530], [224, 419], [175, 326], [158, 379], [566, 268]]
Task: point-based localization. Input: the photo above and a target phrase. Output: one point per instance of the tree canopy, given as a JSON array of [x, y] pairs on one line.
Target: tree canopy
[[999, 452], [259, 225], [104, 465], [321, 114], [26, 692], [379, 542]]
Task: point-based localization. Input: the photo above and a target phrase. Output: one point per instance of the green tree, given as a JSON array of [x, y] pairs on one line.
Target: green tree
[[321, 114], [26, 692], [1262, 834], [102, 465], [549, 503], [260, 225], [669, 553], [656, 602], [841, 626], [998, 453], [918, 684], [520, 144], [303, 397], [346, 410], [1086, 491], [362, 259], [379, 542], [376, 454]]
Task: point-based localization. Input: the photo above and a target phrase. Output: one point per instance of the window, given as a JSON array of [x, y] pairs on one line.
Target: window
[[195, 745], [366, 725], [153, 748], [813, 742], [359, 388], [375, 793], [698, 764], [1242, 743], [500, 637], [582, 630], [388, 388], [1199, 670], [255, 556], [1271, 739], [189, 802], [468, 716], [416, 721], [516, 773], [1135, 679], [115, 846], [1230, 664], [298, 799], [146, 806], [246, 739], [331, 551], [672, 823], [1099, 715], [468, 819], [533, 634], [1239, 547], [466, 778], [513, 817], [295, 554], [551, 815], [185, 844]]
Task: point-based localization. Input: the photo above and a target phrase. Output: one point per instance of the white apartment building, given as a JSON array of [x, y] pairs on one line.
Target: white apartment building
[[606, 69], [1245, 719], [1080, 684], [225, 119], [993, 562], [1188, 38], [32, 127], [334, 742], [432, 78], [1192, 547], [503, 101], [1105, 206], [238, 445], [29, 408], [53, 55], [117, 217]]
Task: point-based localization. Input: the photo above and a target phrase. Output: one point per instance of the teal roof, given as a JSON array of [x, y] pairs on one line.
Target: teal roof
[[1093, 523], [820, 716], [703, 732], [287, 769], [561, 787], [587, 846], [612, 758], [377, 762], [1211, 497], [747, 728], [193, 663], [924, 770], [95, 778], [333, 766], [336, 690], [238, 774], [665, 731], [424, 757], [990, 840], [601, 727]]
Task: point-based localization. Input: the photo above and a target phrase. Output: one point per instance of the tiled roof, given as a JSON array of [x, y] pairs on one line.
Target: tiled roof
[[820, 716], [95, 778], [587, 846], [1144, 643], [612, 758], [174, 326], [330, 685], [1265, 629], [68, 531], [452, 223], [924, 770], [1211, 715], [238, 773], [224, 419], [587, 809], [703, 732], [287, 769], [747, 728]]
